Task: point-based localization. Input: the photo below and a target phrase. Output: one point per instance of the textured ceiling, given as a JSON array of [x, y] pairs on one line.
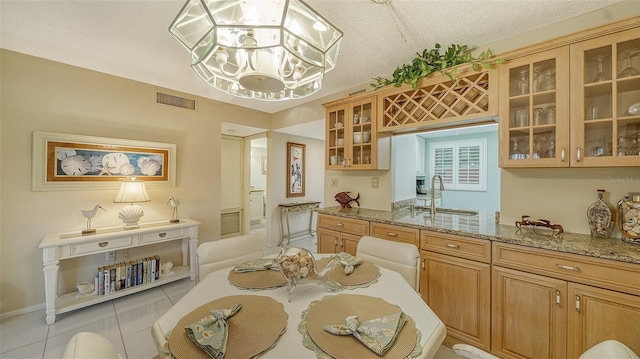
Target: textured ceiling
[[130, 38]]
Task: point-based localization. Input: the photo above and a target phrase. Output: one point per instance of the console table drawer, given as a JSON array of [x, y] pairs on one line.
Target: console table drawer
[[161, 236], [96, 247]]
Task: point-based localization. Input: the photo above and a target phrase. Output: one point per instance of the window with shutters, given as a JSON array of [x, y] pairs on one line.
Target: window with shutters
[[461, 164]]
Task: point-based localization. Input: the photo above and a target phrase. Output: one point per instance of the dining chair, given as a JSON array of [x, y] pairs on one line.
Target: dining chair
[[605, 349], [90, 345], [226, 252], [403, 258]]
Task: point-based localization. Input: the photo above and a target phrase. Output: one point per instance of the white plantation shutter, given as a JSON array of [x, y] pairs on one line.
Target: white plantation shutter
[[462, 164], [443, 163]]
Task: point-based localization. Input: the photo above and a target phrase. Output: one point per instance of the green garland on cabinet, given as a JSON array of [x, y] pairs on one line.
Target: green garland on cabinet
[[431, 61]]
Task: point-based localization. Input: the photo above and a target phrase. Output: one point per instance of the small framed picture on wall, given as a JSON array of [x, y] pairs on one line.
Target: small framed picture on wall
[[295, 169]]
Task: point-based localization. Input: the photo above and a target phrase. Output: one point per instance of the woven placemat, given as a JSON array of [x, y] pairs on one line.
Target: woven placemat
[[253, 330], [364, 273], [335, 309], [263, 279]]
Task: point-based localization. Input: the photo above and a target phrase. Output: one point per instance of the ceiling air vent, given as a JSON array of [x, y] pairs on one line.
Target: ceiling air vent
[[175, 101]]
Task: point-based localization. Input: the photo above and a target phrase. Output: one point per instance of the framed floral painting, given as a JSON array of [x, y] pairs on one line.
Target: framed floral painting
[[295, 169], [65, 161]]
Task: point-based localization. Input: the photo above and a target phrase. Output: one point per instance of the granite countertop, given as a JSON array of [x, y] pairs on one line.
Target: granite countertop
[[483, 226]]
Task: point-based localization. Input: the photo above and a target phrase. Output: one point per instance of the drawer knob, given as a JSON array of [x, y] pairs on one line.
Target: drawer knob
[[162, 235], [450, 245], [339, 224], [103, 244], [391, 234], [575, 269]]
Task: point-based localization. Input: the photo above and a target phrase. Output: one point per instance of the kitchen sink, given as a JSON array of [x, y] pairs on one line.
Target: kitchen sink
[[459, 212]]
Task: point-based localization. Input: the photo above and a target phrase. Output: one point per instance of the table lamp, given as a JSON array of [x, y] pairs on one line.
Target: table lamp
[[131, 191]]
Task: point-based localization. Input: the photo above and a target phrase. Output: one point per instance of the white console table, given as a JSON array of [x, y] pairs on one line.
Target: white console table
[[61, 246], [287, 208]]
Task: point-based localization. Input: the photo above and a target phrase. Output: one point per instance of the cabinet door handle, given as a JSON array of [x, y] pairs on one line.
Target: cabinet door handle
[[423, 263], [103, 244], [162, 235], [452, 245], [391, 234], [335, 242], [339, 224], [578, 154], [575, 269], [562, 154], [557, 297], [577, 303], [341, 243]]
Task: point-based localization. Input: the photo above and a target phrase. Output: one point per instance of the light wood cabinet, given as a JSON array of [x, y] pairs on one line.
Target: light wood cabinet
[[548, 304], [330, 241], [598, 314], [338, 234], [395, 233], [574, 105], [528, 315], [604, 130], [352, 141], [456, 288], [534, 118]]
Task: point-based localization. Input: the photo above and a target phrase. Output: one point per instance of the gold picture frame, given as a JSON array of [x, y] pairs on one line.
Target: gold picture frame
[[66, 161], [295, 169]]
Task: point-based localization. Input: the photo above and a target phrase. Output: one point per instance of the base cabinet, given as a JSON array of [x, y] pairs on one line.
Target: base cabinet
[[597, 314], [455, 281], [330, 241], [529, 315], [339, 234], [457, 290], [548, 304]]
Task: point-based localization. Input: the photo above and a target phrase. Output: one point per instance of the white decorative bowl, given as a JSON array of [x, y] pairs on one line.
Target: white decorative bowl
[[357, 137], [340, 141]]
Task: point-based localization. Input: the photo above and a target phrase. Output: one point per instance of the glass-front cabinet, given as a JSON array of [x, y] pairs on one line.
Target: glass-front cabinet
[[351, 136], [606, 101], [534, 123]]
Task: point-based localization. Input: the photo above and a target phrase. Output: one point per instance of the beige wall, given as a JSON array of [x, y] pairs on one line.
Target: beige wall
[[41, 95]]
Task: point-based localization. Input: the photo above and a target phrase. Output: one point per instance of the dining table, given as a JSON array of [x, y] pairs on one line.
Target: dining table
[[389, 286]]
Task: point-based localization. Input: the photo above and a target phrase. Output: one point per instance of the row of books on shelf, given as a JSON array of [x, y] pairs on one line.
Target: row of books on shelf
[[123, 275]]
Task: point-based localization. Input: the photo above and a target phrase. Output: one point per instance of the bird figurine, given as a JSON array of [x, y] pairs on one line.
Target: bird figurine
[[174, 215], [88, 214]]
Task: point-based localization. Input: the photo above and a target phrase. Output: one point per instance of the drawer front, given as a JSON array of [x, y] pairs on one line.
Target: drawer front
[[463, 247], [395, 233], [604, 273], [161, 236], [342, 224], [101, 246]]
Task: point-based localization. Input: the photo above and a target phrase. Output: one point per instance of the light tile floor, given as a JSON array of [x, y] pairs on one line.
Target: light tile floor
[[126, 322]]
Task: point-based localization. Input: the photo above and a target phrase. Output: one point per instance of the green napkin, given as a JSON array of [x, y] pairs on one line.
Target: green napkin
[[210, 333], [348, 262], [255, 265], [376, 334]]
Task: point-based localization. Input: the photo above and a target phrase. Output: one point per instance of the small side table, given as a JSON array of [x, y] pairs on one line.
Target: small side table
[[287, 208]]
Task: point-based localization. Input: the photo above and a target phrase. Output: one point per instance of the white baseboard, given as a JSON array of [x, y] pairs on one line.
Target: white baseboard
[[14, 313]]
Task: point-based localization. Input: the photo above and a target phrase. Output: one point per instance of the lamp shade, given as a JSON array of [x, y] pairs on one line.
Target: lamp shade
[[261, 49], [132, 191]]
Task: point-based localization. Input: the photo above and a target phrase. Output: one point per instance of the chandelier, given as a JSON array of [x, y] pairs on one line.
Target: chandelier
[[261, 49]]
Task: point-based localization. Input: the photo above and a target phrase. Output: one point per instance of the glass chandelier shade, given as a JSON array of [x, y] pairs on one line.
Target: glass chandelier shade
[[261, 49]]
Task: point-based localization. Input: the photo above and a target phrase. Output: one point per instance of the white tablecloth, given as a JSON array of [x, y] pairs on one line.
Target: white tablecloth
[[390, 286]]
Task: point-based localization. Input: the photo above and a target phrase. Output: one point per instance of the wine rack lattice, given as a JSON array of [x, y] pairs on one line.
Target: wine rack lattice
[[470, 96]]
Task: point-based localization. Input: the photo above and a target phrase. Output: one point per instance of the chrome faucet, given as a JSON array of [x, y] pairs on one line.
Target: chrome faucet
[[433, 193]]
